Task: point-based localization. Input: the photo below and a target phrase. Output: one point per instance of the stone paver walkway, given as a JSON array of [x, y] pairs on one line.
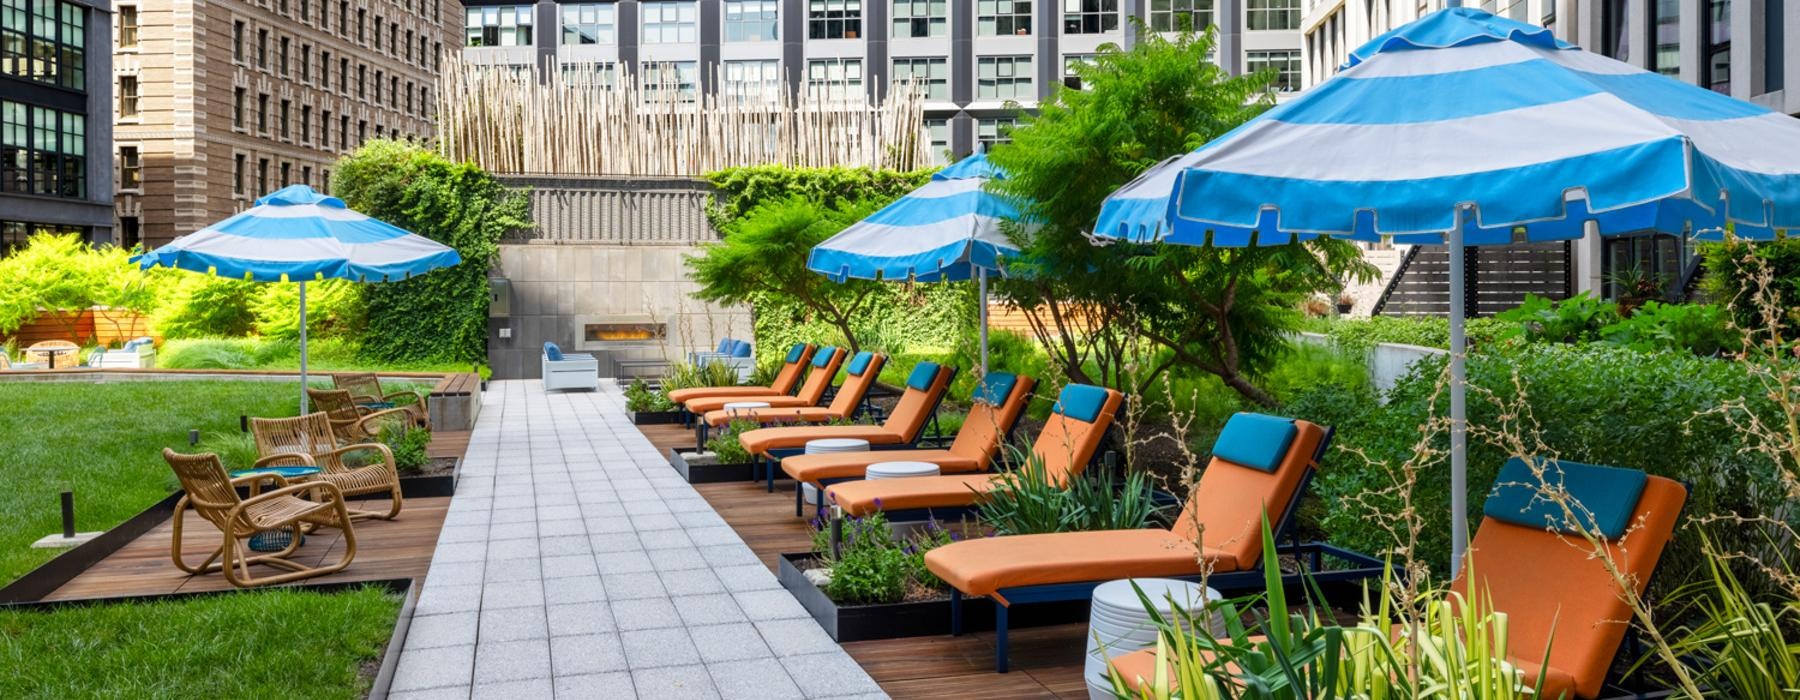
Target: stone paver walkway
[[575, 563]]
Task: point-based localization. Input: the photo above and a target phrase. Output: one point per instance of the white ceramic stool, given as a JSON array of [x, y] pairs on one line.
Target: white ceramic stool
[[1118, 620], [901, 470], [735, 408], [830, 446]]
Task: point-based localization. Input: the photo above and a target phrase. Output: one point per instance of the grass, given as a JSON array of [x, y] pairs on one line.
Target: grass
[[104, 442], [323, 355], [262, 644]]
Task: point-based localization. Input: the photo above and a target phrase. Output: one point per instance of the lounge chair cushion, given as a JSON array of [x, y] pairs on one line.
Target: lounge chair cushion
[[853, 465], [987, 424], [860, 363], [761, 440], [724, 346], [735, 393], [995, 388], [1081, 402], [1226, 507], [922, 375], [740, 348], [1255, 440], [1608, 494], [985, 566], [795, 353], [714, 402], [767, 416], [860, 498], [552, 351]]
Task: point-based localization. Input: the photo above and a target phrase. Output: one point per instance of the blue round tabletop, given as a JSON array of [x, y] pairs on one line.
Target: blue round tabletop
[[283, 472]]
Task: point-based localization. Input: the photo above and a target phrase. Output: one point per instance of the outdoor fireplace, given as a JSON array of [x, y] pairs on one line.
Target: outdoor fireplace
[[606, 332], [627, 345]]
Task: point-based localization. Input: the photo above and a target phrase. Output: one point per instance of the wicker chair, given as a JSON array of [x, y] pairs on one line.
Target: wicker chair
[[310, 441], [365, 389], [352, 422], [214, 496]]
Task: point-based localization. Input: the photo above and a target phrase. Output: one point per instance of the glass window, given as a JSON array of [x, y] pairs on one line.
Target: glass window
[[938, 131], [128, 26], [835, 78], [44, 41], [130, 232], [833, 19], [931, 74], [1615, 29], [325, 129], [237, 42], [284, 119], [671, 22], [1774, 48], [1272, 14], [42, 150], [237, 108], [1003, 17], [262, 48], [1004, 78], [508, 25], [583, 24], [989, 132], [1180, 15], [1715, 59], [752, 20], [305, 123], [130, 168], [601, 76], [262, 114], [1090, 16], [1286, 65], [921, 18], [128, 97], [283, 56], [1665, 34], [1071, 63], [305, 63], [15, 234], [670, 80], [752, 81]]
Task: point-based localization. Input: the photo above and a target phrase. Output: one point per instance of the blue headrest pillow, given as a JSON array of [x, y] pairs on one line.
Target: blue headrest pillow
[[1081, 402], [995, 387], [724, 345], [1608, 494], [922, 376], [794, 353], [823, 357], [552, 352], [860, 363], [1256, 441], [740, 348]]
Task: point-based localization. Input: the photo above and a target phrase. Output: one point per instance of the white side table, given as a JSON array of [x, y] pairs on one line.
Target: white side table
[[824, 446], [1118, 620], [744, 409], [901, 470]]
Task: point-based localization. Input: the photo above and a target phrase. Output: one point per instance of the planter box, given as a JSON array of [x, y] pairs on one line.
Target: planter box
[[434, 486], [853, 623], [655, 417], [703, 471]]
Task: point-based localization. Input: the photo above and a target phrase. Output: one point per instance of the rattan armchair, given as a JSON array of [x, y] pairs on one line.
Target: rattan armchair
[[214, 497], [351, 422], [310, 441], [365, 389]]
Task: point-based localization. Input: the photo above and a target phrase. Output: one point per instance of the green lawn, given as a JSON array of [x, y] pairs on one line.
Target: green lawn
[[322, 355], [104, 441], [261, 644]]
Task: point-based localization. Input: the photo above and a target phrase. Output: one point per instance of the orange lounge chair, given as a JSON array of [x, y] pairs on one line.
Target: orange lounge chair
[[860, 375], [1071, 437], [925, 389], [996, 407], [825, 365], [1555, 593], [785, 381], [1260, 463]]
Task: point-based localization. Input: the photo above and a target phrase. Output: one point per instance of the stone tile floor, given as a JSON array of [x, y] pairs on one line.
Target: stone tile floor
[[575, 563]]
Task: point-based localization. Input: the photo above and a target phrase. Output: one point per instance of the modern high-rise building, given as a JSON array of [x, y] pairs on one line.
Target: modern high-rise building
[[972, 57], [55, 120], [221, 104]]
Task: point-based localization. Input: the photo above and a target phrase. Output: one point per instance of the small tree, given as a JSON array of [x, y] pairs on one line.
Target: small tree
[[764, 252], [62, 275], [441, 315], [1219, 311]]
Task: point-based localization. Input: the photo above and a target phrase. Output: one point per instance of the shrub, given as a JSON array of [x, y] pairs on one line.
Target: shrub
[[334, 308], [1026, 502], [199, 306], [682, 375], [63, 273], [1697, 328], [745, 188], [640, 399], [1730, 267], [408, 444], [236, 450], [725, 445], [207, 353], [871, 566], [1424, 331], [1577, 319]]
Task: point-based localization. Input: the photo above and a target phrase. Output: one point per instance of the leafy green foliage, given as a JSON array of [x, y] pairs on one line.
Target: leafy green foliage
[[1219, 311], [442, 315], [741, 190], [242, 644], [1699, 328], [896, 318], [682, 375], [1577, 319], [334, 308], [871, 565], [725, 445], [323, 355], [1362, 334], [198, 306], [1740, 645], [640, 399], [1729, 270], [236, 450], [408, 443], [64, 273], [1027, 502]]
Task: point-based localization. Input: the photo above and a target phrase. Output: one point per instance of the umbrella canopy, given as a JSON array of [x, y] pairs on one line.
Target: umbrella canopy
[[296, 234], [1469, 129], [949, 229]]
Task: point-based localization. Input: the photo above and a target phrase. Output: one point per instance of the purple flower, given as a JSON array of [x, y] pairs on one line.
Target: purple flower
[[954, 537], [878, 504]]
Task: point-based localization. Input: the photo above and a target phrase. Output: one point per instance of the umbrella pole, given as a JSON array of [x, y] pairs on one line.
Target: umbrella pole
[[303, 348], [1459, 426], [981, 282]]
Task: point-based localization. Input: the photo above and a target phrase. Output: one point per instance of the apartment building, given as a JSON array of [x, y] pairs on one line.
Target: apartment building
[[55, 125], [972, 57], [220, 103]]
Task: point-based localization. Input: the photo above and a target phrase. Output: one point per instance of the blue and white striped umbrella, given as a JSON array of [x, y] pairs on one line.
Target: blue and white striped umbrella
[[297, 235], [950, 229], [1469, 129]]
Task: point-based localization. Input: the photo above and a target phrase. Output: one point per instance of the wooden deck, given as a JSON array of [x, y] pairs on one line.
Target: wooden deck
[[1046, 661], [400, 548]]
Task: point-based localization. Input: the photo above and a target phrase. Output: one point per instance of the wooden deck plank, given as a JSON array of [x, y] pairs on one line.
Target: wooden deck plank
[[1046, 661]]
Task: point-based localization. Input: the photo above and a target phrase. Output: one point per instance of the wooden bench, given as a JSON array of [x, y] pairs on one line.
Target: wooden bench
[[455, 401]]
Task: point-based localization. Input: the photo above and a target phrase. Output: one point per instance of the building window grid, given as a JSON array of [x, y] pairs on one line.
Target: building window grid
[[835, 78], [44, 41], [237, 108], [752, 20], [1004, 78], [670, 22], [921, 18], [1003, 17], [670, 81], [1715, 53], [1090, 16], [130, 168], [1262, 15], [1180, 15], [990, 132], [128, 97], [752, 81], [1665, 36], [597, 75], [1284, 62], [43, 151], [128, 26], [938, 137], [508, 25], [588, 23], [931, 74], [1071, 65], [834, 19]]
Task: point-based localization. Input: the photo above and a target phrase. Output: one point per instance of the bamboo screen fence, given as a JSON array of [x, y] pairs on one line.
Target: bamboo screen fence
[[510, 122]]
